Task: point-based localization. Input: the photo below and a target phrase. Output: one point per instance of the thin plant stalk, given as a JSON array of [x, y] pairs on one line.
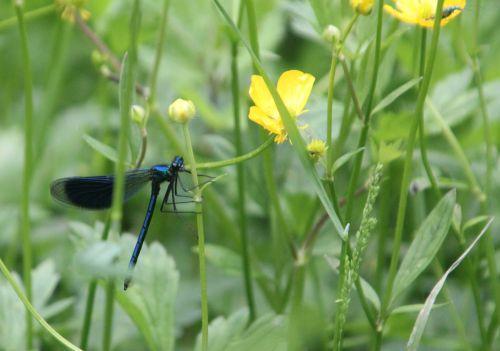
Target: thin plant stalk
[[28, 15], [89, 302], [403, 196], [336, 51], [490, 160], [367, 114], [201, 239], [159, 53], [27, 167], [126, 91], [32, 311], [421, 125], [240, 173]]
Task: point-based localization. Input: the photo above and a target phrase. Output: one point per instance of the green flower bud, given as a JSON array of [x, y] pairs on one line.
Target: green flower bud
[[138, 114]]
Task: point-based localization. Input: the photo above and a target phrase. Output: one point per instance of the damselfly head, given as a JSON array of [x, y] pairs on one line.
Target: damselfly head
[[177, 164]]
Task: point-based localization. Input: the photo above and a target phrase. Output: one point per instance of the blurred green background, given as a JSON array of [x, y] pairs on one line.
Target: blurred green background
[[73, 100]]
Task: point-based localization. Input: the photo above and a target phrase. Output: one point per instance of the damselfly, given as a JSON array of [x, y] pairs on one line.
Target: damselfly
[[95, 193]]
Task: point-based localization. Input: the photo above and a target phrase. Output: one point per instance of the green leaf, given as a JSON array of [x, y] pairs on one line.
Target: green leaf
[[370, 294], [342, 160], [103, 149], [426, 244], [292, 129], [269, 332], [223, 258], [474, 221], [392, 96], [413, 308], [222, 331], [150, 300], [423, 316]]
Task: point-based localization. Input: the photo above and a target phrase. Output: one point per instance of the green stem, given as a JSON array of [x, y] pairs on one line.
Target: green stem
[[29, 15], [252, 27], [366, 122], [403, 196], [52, 89], [240, 172], [27, 168], [201, 239], [235, 160], [31, 310], [89, 302], [421, 126], [126, 91], [159, 52], [108, 315], [336, 51]]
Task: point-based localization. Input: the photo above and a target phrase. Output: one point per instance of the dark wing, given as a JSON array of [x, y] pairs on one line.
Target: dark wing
[[96, 193]]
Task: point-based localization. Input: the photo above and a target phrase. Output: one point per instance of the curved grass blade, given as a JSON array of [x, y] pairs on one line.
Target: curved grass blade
[[423, 316], [291, 128], [95, 193]]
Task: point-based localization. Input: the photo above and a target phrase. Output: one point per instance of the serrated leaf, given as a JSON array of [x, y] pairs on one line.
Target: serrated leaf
[[426, 244], [150, 300], [423, 316], [342, 160], [223, 330], [392, 96], [269, 332], [223, 258]]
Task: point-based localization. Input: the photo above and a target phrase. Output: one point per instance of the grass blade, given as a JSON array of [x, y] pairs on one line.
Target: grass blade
[[423, 316]]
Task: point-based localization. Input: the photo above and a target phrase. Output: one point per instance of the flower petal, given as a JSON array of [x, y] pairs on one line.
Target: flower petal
[[257, 115], [262, 97], [294, 88]]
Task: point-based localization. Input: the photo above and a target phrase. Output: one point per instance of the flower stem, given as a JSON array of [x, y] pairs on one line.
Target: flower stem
[[32, 311], [336, 50], [366, 123], [201, 239], [235, 160], [240, 172], [28, 15], [403, 196], [421, 126], [27, 168]]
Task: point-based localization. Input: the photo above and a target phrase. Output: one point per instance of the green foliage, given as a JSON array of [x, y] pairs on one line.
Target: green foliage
[[81, 109], [426, 244]]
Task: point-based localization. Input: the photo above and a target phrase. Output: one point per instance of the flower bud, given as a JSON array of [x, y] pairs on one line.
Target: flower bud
[[363, 7], [181, 111], [317, 149], [331, 33], [138, 114]]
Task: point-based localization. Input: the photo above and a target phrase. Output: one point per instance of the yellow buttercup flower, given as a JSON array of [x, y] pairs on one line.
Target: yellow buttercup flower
[[363, 7], [294, 88], [422, 12]]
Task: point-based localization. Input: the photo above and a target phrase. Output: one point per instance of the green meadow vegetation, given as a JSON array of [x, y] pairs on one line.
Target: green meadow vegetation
[[354, 177]]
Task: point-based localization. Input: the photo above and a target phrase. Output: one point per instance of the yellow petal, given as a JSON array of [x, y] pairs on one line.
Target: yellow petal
[[294, 88], [262, 97], [258, 116]]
